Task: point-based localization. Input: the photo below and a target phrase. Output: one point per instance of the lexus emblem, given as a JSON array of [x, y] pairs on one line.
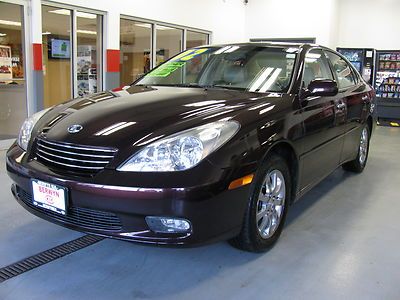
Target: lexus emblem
[[75, 128]]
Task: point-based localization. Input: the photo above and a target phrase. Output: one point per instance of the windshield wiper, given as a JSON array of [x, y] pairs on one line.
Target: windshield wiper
[[202, 86], [209, 86]]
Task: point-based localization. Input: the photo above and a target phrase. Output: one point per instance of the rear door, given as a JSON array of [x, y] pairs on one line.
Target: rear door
[[323, 119], [353, 92]]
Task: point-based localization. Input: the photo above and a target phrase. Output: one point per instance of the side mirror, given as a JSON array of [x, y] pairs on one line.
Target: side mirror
[[321, 87]]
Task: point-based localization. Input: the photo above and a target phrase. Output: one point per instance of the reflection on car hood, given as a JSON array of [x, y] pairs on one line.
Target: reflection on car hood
[[139, 114]]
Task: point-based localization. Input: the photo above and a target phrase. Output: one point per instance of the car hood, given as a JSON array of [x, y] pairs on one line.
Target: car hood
[[138, 115]]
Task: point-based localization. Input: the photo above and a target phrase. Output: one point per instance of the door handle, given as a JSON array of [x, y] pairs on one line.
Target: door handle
[[341, 106]]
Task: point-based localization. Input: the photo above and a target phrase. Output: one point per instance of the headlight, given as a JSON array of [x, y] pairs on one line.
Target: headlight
[[182, 150], [27, 127]]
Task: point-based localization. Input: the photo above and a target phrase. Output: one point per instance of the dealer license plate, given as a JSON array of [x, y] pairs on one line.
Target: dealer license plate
[[49, 196]]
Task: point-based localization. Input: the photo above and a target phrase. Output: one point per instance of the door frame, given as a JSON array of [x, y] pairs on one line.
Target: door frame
[[74, 47]]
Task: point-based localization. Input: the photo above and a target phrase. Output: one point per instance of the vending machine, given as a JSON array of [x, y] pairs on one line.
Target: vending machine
[[387, 84], [362, 59]]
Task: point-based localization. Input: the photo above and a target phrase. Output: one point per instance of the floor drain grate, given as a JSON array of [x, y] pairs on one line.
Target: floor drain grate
[[47, 256]]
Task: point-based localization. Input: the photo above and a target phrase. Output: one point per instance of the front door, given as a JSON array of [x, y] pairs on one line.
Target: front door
[[354, 94], [324, 120]]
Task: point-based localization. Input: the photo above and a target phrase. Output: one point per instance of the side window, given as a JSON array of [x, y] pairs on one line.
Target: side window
[[356, 78], [315, 67], [343, 71]]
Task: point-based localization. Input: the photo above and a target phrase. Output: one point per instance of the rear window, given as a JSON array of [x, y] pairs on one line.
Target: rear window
[[344, 72]]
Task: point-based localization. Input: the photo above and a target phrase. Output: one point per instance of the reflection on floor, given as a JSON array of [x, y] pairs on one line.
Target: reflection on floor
[[5, 144], [6, 137], [341, 242]]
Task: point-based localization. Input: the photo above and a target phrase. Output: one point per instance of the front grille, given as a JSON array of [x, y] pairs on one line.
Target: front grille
[[82, 217], [76, 158]]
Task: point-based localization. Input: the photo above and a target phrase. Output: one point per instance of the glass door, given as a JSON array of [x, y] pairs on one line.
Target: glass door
[[135, 49], [89, 53], [168, 42], [72, 53], [57, 55], [195, 39], [13, 104]]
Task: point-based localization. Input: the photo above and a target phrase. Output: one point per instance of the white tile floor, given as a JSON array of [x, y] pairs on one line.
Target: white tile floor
[[342, 241]]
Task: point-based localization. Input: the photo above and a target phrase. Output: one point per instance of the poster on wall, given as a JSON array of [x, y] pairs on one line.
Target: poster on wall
[[87, 75], [5, 63]]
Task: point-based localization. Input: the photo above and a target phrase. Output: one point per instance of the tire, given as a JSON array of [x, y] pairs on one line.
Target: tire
[[252, 237], [358, 165]]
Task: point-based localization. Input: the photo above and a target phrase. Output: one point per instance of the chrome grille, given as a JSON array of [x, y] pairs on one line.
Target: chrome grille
[[77, 158]]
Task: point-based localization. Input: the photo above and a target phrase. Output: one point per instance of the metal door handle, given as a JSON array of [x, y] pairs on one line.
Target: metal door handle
[[341, 106]]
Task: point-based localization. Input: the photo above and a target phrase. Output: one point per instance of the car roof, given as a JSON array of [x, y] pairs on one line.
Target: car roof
[[269, 44]]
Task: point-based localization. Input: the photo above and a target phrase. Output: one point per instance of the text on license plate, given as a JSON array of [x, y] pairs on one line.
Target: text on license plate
[[49, 196]]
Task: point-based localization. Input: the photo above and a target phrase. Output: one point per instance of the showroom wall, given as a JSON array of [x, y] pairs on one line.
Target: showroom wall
[[334, 23], [225, 18], [369, 23], [346, 23], [294, 19]]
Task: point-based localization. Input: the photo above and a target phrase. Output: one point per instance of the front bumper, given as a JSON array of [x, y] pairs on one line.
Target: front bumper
[[117, 211]]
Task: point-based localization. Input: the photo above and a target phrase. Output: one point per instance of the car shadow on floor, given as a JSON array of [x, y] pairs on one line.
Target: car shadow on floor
[[316, 193]]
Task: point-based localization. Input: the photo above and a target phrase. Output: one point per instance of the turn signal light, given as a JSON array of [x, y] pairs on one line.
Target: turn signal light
[[241, 182]]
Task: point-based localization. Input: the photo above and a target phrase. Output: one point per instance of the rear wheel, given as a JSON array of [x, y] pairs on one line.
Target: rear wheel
[[360, 162], [267, 206]]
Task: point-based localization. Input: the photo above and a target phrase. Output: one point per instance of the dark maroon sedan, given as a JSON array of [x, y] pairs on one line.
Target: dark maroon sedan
[[215, 143]]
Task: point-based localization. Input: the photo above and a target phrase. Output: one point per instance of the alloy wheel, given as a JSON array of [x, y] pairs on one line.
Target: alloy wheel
[[271, 203], [363, 146]]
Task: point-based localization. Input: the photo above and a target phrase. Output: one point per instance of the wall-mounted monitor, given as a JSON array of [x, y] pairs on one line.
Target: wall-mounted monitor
[[59, 48]]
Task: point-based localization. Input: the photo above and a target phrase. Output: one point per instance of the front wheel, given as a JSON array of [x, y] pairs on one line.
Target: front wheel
[[267, 206], [360, 162]]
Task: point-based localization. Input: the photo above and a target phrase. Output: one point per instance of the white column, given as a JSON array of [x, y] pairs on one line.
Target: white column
[[36, 21], [111, 30]]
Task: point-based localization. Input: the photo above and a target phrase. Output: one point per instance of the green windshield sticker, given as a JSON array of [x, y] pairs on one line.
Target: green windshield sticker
[[176, 63], [166, 69], [189, 54]]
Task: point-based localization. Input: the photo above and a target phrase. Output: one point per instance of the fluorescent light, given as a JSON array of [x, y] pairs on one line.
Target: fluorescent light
[[46, 33], [313, 55], [142, 25], [80, 14], [263, 111], [86, 31], [292, 50], [271, 80], [203, 103], [232, 49], [222, 50], [64, 12], [226, 49], [159, 27], [259, 106], [3, 34], [11, 23], [261, 78], [67, 12], [114, 128], [149, 26]]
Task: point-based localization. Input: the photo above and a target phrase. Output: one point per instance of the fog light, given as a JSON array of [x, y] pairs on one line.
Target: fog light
[[168, 225]]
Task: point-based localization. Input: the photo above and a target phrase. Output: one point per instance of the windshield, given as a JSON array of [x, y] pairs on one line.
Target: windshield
[[253, 68]]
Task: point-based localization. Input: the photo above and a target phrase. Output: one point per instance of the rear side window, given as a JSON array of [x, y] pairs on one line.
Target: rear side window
[[315, 67], [343, 71]]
